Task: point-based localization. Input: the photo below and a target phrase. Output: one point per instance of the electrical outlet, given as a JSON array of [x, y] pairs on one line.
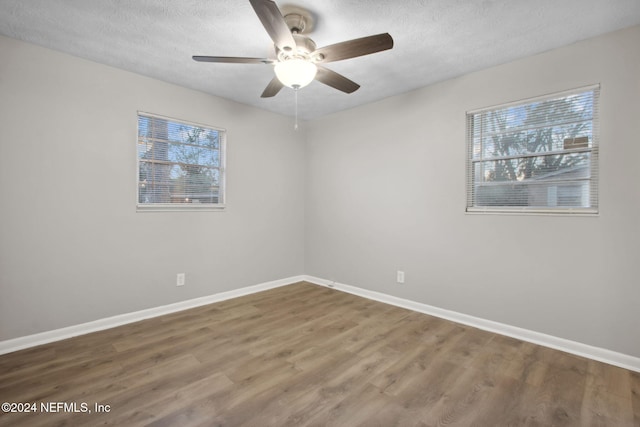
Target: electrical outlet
[[400, 276], [180, 279]]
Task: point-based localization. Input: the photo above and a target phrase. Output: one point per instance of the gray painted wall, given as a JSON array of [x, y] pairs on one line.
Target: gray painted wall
[[72, 247], [386, 192], [375, 189]]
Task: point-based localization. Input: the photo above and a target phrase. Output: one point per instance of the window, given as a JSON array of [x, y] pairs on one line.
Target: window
[[538, 155], [180, 164]]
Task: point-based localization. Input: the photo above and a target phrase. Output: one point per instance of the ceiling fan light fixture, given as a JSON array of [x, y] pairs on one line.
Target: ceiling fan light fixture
[[295, 73], [297, 55]]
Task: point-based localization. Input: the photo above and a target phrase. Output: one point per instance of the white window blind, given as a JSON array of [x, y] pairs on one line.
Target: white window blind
[[180, 164], [538, 155]]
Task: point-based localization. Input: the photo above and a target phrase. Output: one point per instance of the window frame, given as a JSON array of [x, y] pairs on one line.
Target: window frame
[[184, 207], [594, 150]]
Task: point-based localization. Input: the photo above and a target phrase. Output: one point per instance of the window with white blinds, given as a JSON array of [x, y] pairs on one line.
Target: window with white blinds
[[180, 164], [535, 156]]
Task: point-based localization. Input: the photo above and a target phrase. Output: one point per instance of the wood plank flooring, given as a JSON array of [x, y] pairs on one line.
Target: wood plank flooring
[[304, 355]]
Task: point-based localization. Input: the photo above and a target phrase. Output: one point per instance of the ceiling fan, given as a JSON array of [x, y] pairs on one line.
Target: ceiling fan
[[297, 60]]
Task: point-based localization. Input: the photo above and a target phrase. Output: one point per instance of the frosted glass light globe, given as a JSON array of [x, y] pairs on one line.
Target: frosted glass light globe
[[295, 73]]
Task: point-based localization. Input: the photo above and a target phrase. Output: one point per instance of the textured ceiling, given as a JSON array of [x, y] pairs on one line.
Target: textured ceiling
[[434, 40]]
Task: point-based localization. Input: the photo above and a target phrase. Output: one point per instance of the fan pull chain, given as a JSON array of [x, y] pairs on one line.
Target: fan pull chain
[[295, 91]]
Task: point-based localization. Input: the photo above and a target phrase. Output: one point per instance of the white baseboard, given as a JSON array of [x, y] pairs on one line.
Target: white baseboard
[[20, 343], [596, 353]]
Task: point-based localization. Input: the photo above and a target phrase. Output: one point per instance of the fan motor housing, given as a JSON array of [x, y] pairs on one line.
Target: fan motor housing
[[304, 48], [304, 44]]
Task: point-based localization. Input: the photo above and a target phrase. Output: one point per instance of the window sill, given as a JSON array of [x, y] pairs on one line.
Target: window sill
[[180, 207], [532, 211]]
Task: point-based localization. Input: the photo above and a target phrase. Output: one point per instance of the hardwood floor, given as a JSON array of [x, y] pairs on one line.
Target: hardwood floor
[[304, 355]]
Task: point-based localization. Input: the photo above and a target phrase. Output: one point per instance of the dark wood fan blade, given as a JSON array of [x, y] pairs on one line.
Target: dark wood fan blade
[[233, 60], [274, 23], [335, 80], [355, 47], [272, 88]]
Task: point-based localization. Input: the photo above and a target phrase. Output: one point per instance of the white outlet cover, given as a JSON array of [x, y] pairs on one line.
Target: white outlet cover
[[180, 279]]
